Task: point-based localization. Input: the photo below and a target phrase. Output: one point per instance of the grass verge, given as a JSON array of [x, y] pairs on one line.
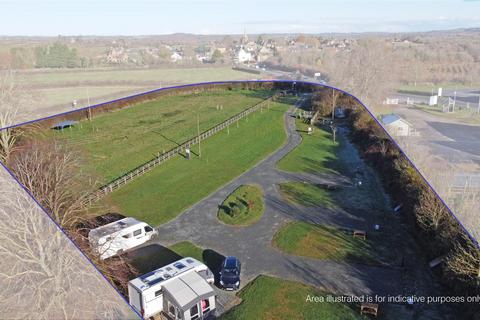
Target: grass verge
[[316, 152], [322, 242], [268, 298], [187, 249], [307, 194]]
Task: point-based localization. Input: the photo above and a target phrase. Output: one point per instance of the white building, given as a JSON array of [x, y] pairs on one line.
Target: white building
[[396, 125], [244, 56], [175, 57]]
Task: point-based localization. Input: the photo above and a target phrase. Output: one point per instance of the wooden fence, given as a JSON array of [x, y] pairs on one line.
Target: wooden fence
[[146, 167]]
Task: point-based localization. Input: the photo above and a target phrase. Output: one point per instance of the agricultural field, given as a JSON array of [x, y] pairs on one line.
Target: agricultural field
[[114, 143], [66, 96], [169, 189], [140, 76], [54, 90]]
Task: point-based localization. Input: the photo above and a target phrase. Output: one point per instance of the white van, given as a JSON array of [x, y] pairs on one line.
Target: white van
[[182, 290], [119, 236]]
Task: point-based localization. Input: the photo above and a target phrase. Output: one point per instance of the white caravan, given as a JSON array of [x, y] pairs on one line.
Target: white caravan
[[119, 236], [182, 290]]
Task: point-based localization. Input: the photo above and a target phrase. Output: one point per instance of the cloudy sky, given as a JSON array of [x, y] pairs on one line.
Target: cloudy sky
[[142, 17]]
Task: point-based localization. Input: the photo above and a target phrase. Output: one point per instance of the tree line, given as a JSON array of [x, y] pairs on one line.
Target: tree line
[[432, 224], [57, 55]]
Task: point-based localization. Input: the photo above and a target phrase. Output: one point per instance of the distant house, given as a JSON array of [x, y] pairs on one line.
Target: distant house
[[175, 57], [396, 125], [244, 56], [117, 55], [264, 53]]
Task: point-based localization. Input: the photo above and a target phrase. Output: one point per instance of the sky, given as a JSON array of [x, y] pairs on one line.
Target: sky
[[146, 17]]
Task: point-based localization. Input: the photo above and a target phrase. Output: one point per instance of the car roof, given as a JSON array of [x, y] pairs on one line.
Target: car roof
[[230, 261]]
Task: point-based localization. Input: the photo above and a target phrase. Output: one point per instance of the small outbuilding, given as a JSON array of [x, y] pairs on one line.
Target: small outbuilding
[[396, 125]]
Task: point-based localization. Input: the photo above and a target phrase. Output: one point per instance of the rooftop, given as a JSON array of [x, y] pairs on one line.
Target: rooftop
[[113, 227], [164, 273], [391, 118], [188, 289]]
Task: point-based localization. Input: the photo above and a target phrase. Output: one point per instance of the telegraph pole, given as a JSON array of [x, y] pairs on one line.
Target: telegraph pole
[[198, 134]]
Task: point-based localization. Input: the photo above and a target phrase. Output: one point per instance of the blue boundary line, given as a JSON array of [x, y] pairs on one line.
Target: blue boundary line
[[213, 83], [68, 237]]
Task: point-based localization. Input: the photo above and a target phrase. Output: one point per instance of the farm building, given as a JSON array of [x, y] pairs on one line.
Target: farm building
[[396, 125]]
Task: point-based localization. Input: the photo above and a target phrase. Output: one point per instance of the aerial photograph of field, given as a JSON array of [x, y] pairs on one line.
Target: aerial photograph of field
[[272, 160], [253, 187]]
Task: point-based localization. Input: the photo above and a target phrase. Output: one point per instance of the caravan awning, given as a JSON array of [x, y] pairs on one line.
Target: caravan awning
[[188, 289]]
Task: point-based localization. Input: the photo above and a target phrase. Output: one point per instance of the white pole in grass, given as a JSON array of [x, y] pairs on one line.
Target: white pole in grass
[[198, 133]]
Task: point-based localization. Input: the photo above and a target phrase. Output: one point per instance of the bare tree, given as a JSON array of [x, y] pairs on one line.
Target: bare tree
[[42, 275], [11, 98], [465, 259], [431, 213], [52, 173]]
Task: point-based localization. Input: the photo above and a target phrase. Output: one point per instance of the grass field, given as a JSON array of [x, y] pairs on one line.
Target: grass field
[[139, 76], [426, 88], [114, 143], [307, 194], [242, 207], [325, 243], [316, 153], [66, 95], [166, 191], [268, 298]]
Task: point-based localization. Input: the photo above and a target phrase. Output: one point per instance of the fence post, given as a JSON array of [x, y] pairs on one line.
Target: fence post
[[160, 158]]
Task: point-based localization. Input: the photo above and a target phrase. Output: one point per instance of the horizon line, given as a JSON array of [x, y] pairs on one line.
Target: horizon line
[[240, 34]]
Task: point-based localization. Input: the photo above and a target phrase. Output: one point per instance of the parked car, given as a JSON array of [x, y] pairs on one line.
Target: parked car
[[230, 273], [119, 236]]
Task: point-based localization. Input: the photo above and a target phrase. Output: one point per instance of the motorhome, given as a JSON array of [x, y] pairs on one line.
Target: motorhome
[[181, 290], [119, 236]]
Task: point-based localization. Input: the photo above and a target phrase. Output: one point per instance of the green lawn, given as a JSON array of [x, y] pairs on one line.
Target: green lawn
[[167, 190], [244, 206], [322, 242], [307, 194], [267, 298], [117, 142], [316, 153], [187, 249]]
